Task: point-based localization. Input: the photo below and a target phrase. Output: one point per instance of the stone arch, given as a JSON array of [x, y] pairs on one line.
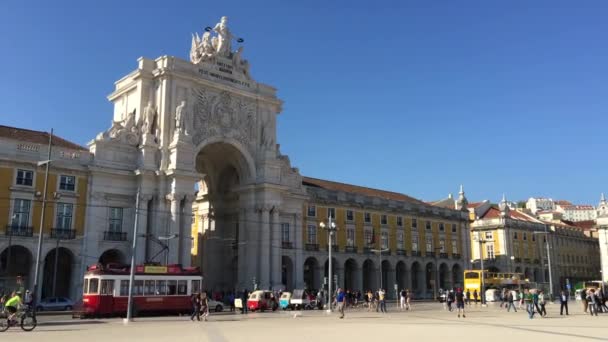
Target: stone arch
[[246, 165], [401, 275], [429, 272], [457, 276], [112, 256], [57, 273], [518, 269], [386, 276], [287, 273], [416, 275], [444, 277], [334, 271], [311, 273], [351, 273], [536, 273], [369, 275], [15, 261]]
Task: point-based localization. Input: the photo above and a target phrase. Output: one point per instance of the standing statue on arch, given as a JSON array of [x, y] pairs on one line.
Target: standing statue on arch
[[224, 43]]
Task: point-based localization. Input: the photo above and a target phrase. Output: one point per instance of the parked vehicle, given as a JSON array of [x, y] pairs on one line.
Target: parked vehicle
[[55, 304], [216, 306], [284, 301], [261, 301], [300, 299]]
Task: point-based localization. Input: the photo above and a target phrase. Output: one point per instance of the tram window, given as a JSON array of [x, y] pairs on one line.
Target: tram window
[[138, 289], [196, 286], [149, 287], [107, 286], [161, 287], [124, 287], [93, 286], [471, 275], [182, 287], [172, 287], [85, 286]]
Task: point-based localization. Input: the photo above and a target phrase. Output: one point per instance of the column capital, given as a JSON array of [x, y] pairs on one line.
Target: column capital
[[146, 197], [264, 208], [174, 197]]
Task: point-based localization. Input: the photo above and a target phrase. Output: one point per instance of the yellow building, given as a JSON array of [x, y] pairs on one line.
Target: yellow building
[[21, 193], [512, 240]]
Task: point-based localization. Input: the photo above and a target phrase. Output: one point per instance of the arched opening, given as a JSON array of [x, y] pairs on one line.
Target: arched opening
[[430, 276], [287, 273], [517, 269], [536, 274], [226, 255], [386, 268], [493, 269], [57, 273], [369, 275], [546, 276], [111, 256], [350, 275], [311, 277], [527, 273], [457, 276], [401, 275], [415, 274], [16, 264], [444, 277]]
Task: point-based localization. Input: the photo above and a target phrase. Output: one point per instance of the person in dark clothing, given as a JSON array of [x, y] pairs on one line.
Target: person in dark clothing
[[450, 299], [475, 295], [460, 302], [510, 300], [244, 297], [563, 299], [468, 297], [196, 306]]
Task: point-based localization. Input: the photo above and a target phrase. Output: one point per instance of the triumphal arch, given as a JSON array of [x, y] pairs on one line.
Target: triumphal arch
[[199, 132]]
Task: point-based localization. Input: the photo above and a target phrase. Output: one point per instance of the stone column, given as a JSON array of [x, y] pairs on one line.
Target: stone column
[[298, 264], [359, 278], [265, 239], [275, 261], [142, 229], [391, 280], [252, 228], [174, 225], [185, 236], [242, 251]]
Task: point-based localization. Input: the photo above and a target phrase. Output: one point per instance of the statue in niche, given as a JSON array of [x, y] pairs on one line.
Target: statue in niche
[[149, 120], [224, 37], [180, 119]]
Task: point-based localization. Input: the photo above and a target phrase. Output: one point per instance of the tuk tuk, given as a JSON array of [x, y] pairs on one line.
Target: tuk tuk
[[300, 300], [284, 300]]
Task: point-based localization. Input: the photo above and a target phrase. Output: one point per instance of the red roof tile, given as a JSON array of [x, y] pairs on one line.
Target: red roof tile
[[335, 186], [37, 137], [586, 225], [475, 204], [494, 212]]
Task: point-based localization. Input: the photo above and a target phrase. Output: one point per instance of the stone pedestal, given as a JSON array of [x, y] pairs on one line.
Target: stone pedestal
[[148, 150], [181, 153]]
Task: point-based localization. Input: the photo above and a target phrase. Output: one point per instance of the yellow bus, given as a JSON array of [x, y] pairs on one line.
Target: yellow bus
[[494, 280]]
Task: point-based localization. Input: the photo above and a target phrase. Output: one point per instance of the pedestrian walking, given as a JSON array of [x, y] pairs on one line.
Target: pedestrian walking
[[542, 302], [340, 296], [592, 299], [468, 297], [244, 297], [584, 300], [475, 295], [195, 300], [510, 299], [381, 300], [460, 302], [204, 306], [601, 297], [563, 299], [503, 298], [535, 300], [402, 299], [529, 301], [408, 299], [450, 299]]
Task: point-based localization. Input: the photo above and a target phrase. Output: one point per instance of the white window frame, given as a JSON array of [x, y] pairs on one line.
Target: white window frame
[[400, 239], [489, 235], [14, 214], [441, 227], [454, 228], [67, 176], [331, 211], [415, 224], [111, 219], [415, 243], [428, 225], [285, 232], [384, 219], [454, 246], [442, 246], [490, 251], [313, 208], [352, 215], [313, 228], [384, 239], [350, 237], [368, 233], [25, 169], [399, 221], [58, 214], [429, 242], [366, 215]]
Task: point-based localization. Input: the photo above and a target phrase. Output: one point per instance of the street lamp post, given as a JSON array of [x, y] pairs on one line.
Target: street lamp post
[[132, 271], [47, 162], [546, 233], [331, 228], [380, 251], [483, 283]]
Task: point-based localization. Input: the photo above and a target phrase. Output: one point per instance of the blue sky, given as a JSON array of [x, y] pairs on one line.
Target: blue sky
[[410, 96]]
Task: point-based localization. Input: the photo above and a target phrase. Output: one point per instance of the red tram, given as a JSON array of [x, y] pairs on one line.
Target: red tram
[[158, 289]]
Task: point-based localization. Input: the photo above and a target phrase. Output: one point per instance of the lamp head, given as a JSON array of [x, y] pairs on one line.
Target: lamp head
[[322, 224]]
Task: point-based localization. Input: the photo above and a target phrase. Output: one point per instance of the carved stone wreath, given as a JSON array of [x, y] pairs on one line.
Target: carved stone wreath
[[222, 115]]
